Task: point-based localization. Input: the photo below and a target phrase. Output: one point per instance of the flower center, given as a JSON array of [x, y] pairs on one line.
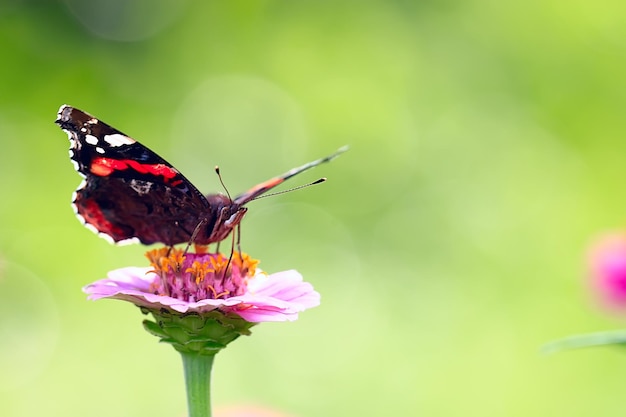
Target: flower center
[[198, 276]]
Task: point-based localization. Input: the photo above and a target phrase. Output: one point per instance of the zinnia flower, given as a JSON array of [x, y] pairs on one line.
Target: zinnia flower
[[201, 302], [199, 283]]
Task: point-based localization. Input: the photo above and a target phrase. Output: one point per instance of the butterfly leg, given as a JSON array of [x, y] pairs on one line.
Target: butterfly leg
[[230, 259], [238, 231], [196, 230], [234, 223]]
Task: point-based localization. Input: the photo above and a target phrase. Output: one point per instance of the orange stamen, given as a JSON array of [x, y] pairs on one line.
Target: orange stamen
[[245, 263], [199, 271]]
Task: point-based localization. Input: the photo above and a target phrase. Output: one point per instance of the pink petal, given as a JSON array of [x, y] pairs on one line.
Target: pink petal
[[277, 297], [288, 286]]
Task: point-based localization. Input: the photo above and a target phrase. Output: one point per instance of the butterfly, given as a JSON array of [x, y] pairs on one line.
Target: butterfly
[[131, 195]]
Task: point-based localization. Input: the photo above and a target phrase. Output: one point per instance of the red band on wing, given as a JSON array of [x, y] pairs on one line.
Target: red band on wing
[[106, 166], [90, 210]]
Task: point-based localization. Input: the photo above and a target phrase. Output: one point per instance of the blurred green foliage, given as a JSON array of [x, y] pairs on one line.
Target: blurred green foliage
[[487, 150]]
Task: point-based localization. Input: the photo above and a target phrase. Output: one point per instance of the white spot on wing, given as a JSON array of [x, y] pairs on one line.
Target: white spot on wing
[[72, 137], [131, 241], [103, 235], [99, 149], [61, 111], [77, 168], [90, 226], [141, 187], [118, 140], [106, 237], [93, 229], [91, 139]]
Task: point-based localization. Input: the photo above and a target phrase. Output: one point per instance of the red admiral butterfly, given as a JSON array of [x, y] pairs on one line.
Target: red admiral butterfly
[[131, 195]]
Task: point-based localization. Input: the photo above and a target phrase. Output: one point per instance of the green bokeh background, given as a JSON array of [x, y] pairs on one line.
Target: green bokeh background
[[487, 151]]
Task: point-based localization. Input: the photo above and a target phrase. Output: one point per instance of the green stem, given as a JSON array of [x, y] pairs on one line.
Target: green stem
[[198, 383]]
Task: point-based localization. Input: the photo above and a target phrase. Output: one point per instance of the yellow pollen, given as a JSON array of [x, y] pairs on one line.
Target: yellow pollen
[[199, 270], [245, 263], [155, 255], [219, 263], [165, 259], [214, 293]]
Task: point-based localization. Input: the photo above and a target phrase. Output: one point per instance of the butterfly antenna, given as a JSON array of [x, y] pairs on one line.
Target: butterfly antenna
[[315, 163], [262, 188], [299, 187], [219, 176]]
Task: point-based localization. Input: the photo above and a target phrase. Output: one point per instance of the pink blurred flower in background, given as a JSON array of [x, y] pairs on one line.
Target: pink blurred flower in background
[[607, 263]]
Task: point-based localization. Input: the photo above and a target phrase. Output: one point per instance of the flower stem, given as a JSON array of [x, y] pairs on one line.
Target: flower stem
[[198, 383]]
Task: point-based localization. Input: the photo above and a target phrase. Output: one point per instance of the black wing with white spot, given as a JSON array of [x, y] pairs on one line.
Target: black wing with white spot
[[129, 193]]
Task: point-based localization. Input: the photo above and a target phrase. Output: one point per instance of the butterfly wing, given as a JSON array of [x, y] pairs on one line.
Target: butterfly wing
[[129, 193]]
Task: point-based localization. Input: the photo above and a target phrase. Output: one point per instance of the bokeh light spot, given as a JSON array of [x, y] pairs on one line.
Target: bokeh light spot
[[29, 326], [126, 21], [248, 120]]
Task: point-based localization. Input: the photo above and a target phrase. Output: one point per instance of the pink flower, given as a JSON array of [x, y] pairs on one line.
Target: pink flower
[[203, 282], [607, 261]]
